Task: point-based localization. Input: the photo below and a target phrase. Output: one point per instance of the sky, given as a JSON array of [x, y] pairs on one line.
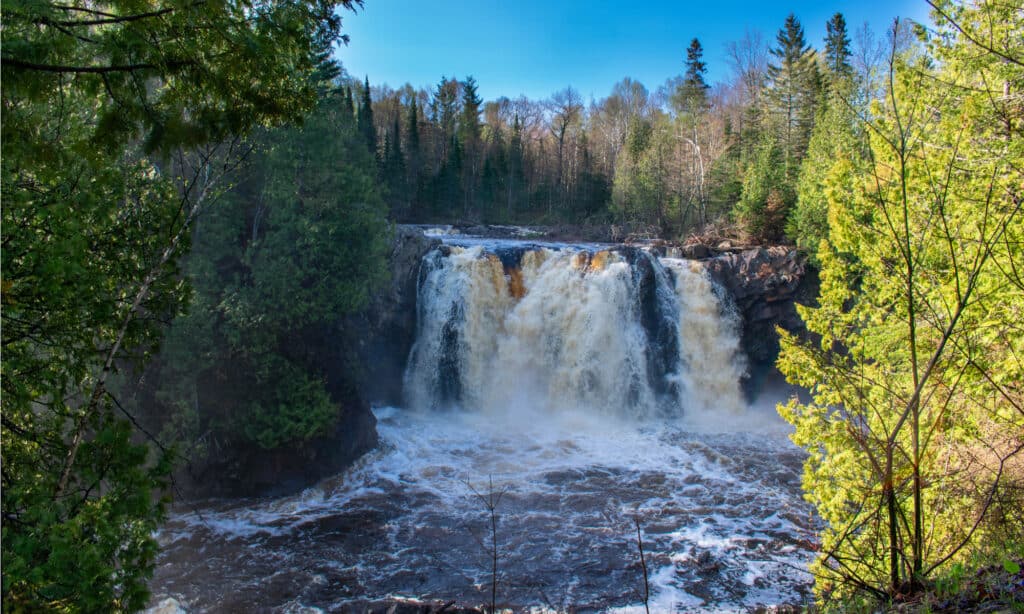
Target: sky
[[537, 47]]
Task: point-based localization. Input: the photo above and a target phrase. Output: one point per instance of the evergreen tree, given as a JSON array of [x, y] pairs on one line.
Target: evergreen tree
[[92, 232], [301, 240], [444, 109], [414, 159], [792, 94], [412, 132], [494, 176], [469, 124], [448, 182], [691, 97], [765, 199], [394, 173], [832, 140], [469, 135], [515, 186], [914, 368], [837, 46], [365, 120], [348, 106]]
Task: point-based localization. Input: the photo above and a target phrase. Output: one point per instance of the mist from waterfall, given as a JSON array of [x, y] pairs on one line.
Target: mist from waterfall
[[611, 331], [593, 387]]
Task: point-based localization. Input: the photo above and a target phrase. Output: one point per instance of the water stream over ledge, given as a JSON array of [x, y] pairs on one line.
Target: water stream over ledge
[[590, 387]]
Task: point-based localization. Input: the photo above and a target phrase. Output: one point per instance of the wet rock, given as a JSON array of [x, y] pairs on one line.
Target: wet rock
[[766, 284], [696, 251], [383, 333], [167, 606]]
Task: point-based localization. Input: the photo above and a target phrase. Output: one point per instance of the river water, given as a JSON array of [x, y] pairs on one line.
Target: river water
[[575, 391]]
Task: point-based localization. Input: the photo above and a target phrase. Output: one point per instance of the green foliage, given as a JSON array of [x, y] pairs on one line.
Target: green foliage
[[236, 67], [915, 430], [640, 194], [837, 47], [295, 408], [792, 96], [833, 142], [298, 244], [765, 198], [691, 97], [92, 229]]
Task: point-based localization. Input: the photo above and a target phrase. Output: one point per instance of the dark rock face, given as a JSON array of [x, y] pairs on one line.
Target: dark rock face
[[383, 334], [766, 284]]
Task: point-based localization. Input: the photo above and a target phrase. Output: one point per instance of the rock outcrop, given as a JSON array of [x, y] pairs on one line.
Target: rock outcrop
[[765, 283], [383, 334]]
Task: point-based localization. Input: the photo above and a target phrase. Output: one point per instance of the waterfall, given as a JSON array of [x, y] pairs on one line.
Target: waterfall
[[617, 331]]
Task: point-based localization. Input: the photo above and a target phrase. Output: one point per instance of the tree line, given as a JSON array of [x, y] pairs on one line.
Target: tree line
[[665, 162]]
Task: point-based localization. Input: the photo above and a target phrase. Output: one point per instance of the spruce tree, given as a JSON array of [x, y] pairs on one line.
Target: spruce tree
[[469, 135], [347, 105], [394, 174], [469, 124], [445, 113], [365, 120], [692, 95], [413, 158], [792, 94], [837, 46]]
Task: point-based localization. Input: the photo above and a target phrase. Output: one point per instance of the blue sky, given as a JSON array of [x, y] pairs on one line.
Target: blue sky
[[535, 47]]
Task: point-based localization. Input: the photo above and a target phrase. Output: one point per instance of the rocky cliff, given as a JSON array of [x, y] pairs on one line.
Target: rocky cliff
[[383, 334], [766, 284]]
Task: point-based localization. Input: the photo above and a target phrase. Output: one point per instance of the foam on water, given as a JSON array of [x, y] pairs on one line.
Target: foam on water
[[591, 388], [724, 526]]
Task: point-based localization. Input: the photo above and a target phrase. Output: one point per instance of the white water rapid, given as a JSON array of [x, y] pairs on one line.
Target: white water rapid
[[613, 332], [590, 387]]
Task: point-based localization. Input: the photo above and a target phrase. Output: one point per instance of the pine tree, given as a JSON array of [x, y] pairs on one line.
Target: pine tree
[[514, 185], [837, 46], [444, 109], [469, 135], [448, 182], [348, 107], [413, 158], [792, 94], [394, 174], [469, 124], [365, 119], [691, 97], [763, 204]]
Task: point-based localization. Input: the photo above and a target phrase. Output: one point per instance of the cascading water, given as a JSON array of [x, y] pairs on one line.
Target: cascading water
[[611, 331], [591, 386]]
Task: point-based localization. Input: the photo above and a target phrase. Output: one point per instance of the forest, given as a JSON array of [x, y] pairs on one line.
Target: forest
[[194, 192], [663, 163]]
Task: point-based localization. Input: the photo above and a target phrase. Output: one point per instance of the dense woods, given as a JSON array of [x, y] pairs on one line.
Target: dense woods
[[658, 162], [122, 123], [917, 422], [201, 183]]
